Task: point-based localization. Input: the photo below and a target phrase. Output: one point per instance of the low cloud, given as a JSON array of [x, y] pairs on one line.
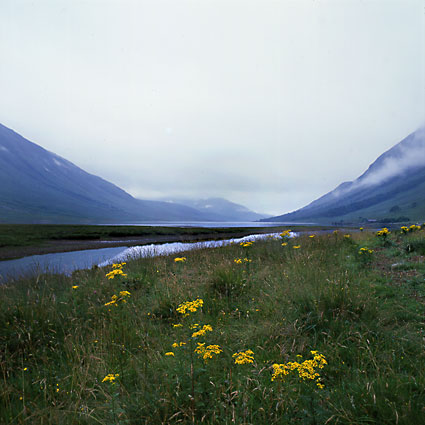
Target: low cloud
[[407, 155]]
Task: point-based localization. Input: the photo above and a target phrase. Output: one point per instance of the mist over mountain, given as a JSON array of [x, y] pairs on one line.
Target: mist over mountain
[[221, 209], [38, 186], [393, 187]]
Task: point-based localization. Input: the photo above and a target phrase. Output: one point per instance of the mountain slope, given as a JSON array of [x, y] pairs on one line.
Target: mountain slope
[[221, 209], [392, 187], [39, 186]]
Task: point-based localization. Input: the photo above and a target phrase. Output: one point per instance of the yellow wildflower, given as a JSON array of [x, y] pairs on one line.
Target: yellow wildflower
[[296, 246], [202, 331], [244, 357], [189, 307], [170, 353], [207, 352], [384, 232], [75, 287], [307, 370], [114, 299], [180, 259], [110, 377], [115, 272], [246, 244]]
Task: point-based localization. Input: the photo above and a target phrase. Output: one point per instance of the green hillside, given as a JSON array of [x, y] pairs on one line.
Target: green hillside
[[391, 189]]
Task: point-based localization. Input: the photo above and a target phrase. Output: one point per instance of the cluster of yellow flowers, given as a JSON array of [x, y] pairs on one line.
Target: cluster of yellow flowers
[[383, 232], [180, 259], [286, 233], [244, 357], [122, 297], [202, 331], [347, 236], [412, 228], [206, 352], [296, 246], [116, 271], [246, 244], [307, 370], [365, 251], [189, 307], [312, 236], [240, 260], [110, 377]]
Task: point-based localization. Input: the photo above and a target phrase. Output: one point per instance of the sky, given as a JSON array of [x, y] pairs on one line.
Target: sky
[[267, 103]]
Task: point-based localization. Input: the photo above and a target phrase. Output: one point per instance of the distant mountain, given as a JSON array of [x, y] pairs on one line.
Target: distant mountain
[[38, 186], [392, 188], [221, 209]]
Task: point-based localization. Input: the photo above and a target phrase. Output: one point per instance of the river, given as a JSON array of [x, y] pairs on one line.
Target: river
[[67, 262]]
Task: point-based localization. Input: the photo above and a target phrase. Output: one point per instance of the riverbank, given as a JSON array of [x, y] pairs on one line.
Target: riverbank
[[323, 328], [17, 241]]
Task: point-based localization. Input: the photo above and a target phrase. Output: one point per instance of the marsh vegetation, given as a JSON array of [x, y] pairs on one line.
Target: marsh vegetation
[[321, 329]]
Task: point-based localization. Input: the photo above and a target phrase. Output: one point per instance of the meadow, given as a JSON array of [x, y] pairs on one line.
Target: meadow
[[321, 329]]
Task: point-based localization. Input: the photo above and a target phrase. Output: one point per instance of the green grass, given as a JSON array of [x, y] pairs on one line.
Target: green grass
[[366, 317]]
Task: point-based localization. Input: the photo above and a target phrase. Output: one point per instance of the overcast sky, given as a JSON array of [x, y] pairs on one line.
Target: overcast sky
[[266, 103]]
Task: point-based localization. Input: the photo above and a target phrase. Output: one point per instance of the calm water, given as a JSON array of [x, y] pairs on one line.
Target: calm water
[[67, 262], [63, 262], [212, 224]]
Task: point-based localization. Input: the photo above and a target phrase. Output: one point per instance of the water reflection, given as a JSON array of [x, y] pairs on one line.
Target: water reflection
[[63, 262], [143, 251], [67, 262]]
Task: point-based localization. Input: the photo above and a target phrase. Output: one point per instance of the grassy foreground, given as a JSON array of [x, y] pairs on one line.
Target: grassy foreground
[[317, 331]]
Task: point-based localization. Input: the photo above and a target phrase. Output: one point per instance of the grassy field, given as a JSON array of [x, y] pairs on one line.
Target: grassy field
[[317, 331]]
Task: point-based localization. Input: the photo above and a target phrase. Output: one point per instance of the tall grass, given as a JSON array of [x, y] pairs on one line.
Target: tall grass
[[58, 343]]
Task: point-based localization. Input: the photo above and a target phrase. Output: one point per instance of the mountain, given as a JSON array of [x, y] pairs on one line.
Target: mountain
[[221, 209], [38, 186], [391, 189]]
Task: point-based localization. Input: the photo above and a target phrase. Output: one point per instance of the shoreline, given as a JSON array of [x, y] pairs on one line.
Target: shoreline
[[58, 246]]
